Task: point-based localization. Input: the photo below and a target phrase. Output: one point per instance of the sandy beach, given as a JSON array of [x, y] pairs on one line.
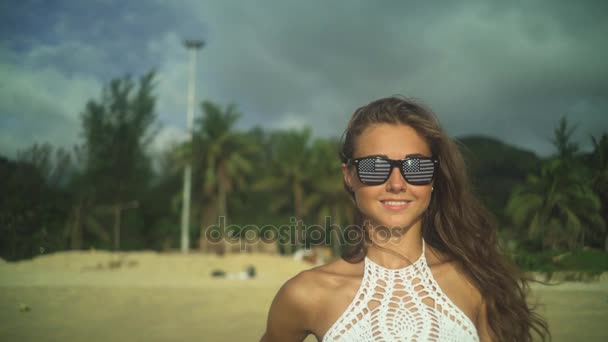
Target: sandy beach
[[147, 296]]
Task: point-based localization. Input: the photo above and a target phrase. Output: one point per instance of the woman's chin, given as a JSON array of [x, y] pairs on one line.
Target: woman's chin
[[395, 223]]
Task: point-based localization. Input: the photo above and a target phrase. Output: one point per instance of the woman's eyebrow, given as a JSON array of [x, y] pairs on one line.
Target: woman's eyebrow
[[415, 155], [373, 155], [406, 156]]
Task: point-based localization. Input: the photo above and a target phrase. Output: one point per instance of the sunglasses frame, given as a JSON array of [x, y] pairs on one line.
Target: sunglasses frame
[[394, 163]]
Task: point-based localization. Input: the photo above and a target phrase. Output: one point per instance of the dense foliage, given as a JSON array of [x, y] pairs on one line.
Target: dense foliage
[[107, 194]]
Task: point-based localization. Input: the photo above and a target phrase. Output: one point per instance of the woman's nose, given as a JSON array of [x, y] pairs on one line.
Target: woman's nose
[[395, 181]]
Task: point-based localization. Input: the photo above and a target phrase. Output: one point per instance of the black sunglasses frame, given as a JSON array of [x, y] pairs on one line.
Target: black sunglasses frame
[[399, 163]]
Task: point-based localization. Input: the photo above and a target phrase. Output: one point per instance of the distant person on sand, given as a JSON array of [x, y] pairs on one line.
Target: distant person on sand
[[427, 266]]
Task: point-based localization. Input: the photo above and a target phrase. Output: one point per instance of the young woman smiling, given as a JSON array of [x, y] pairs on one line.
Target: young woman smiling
[[426, 265]]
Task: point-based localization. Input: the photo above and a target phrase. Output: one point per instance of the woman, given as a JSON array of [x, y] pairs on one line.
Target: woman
[[427, 266]]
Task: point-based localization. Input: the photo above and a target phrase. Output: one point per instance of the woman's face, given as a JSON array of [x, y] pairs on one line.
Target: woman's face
[[395, 203]]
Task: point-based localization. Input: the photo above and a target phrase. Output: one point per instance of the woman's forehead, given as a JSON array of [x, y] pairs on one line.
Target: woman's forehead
[[394, 141]]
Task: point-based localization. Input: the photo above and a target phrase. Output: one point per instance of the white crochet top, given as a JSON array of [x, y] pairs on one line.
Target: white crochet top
[[403, 304]]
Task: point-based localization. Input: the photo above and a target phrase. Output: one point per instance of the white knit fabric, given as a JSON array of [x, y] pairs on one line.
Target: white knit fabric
[[403, 304]]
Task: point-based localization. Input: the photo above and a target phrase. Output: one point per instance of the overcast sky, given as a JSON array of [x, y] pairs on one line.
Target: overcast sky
[[508, 69]]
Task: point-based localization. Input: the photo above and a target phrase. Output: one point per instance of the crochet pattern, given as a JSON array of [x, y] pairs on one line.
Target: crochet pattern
[[403, 304]]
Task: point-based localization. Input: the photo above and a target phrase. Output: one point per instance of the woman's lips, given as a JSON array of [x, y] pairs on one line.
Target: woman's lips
[[395, 205]]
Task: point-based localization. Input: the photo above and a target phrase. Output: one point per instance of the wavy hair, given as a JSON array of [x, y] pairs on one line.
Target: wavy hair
[[465, 232]]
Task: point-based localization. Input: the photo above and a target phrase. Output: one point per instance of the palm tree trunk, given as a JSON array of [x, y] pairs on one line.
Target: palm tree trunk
[[298, 201], [76, 231], [117, 208], [221, 190], [222, 200], [14, 255], [208, 219]]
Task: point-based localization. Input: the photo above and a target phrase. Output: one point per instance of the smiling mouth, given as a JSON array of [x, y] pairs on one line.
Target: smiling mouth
[[395, 204]]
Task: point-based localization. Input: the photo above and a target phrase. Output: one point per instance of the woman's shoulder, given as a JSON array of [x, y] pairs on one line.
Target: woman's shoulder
[[455, 282], [292, 314], [325, 279], [303, 303]]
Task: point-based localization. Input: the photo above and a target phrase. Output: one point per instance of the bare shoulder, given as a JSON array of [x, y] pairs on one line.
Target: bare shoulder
[[324, 280], [300, 306], [455, 282], [337, 268], [339, 281], [319, 281], [291, 311]]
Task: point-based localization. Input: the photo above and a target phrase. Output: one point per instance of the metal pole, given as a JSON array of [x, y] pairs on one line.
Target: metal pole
[[193, 46]]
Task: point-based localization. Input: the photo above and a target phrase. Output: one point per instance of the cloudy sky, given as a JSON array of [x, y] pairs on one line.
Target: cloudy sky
[[508, 69]]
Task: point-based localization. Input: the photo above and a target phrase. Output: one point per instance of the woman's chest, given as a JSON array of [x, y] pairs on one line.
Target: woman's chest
[[363, 299]]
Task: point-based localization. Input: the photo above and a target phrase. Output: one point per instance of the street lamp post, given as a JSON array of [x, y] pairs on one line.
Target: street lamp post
[[193, 46]]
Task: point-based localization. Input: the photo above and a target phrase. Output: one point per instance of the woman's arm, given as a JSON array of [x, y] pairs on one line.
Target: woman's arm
[[289, 316]]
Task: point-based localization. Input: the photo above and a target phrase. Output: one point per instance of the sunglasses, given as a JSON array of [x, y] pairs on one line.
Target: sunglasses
[[375, 170]]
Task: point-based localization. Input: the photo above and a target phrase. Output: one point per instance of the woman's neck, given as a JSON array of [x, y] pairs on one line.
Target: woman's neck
[[395, 247]]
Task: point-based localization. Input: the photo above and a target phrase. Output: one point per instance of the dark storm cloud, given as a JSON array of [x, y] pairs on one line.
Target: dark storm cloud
[[505, 69], [103, 38], [486, 68]]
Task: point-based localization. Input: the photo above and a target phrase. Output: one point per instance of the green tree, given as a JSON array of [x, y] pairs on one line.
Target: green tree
[[558, 205], [55, 165], [289, 176], [562, 140], [35, 201], [496, 168], [329, 198], [221, 158], [115, 166], [555, 206], [599, 166]]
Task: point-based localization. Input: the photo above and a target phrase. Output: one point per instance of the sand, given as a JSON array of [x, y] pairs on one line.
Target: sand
[[78, 296]]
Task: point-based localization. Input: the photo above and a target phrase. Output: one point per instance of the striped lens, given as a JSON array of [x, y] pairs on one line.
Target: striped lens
[[376, 170], [373, 171], [418, 171]]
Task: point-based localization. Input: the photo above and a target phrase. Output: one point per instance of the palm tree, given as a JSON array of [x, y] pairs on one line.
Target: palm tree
[[558, 205], [329, 198], [222, 156], [599, 165], [562, 140], [289, 175]]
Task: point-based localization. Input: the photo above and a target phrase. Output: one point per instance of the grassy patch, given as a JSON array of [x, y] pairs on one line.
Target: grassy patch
[[551, 261]]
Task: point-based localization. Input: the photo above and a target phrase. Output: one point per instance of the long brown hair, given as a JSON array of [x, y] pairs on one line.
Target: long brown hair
[[455, 222]]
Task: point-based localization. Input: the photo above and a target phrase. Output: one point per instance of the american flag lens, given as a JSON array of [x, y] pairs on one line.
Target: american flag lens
[[376, 170], [418, 171]]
